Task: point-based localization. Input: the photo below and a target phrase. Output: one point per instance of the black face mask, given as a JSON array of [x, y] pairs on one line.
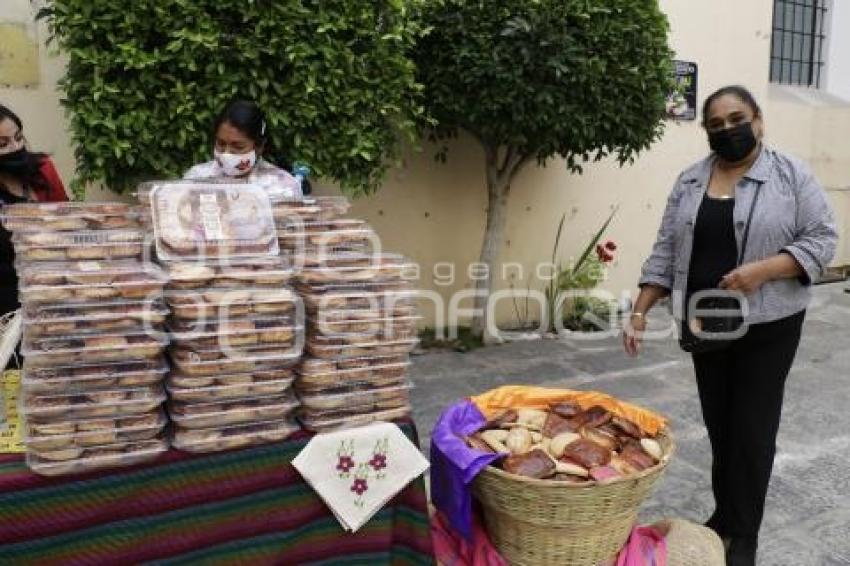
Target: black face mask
[[21, 164], [733, 144]]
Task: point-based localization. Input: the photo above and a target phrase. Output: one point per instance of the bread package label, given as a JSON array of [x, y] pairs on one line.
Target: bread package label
[[212, 220]]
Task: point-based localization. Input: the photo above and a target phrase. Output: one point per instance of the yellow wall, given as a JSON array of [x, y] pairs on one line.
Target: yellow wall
[[435, 213]]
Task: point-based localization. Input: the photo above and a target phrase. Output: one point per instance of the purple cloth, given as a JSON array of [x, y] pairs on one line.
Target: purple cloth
[[454, 464]]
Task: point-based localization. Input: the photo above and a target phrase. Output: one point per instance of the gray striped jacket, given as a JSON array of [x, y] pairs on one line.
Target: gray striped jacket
[[792, 214]]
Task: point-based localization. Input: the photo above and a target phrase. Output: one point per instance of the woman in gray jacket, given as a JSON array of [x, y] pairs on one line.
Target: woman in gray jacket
[[754, 223]]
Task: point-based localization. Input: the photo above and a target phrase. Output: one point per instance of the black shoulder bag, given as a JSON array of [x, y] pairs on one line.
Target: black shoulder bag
[[710, 325]]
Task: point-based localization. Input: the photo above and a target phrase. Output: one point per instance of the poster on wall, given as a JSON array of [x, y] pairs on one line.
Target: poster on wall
[[682, 102], [19, 65]]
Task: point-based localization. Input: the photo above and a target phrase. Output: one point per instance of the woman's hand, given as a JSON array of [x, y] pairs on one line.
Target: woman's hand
[[633, 333], [746, 279]]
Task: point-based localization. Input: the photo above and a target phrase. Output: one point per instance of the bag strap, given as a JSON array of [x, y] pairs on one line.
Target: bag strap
[[746, 235]]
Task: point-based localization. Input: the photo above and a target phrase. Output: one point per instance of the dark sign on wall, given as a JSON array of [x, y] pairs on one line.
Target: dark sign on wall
[[682, 103]]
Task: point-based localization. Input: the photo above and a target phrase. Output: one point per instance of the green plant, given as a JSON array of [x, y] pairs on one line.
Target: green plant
[[585, 273], [145, 79], [463, 340], [534, 79], [586, 314]]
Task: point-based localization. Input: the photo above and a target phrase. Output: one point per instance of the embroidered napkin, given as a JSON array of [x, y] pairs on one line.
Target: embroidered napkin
[[10, 422], [357, 471]]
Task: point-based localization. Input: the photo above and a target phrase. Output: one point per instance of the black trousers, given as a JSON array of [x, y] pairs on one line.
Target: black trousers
[[741, 390]]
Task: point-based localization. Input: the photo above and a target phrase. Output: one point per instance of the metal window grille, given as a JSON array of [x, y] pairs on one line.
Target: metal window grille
[[797, 44]]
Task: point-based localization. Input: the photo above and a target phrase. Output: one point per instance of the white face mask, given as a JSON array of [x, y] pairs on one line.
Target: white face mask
[[236, 164]]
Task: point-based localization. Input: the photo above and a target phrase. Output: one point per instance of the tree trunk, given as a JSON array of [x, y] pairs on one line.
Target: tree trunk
[[498, 188]]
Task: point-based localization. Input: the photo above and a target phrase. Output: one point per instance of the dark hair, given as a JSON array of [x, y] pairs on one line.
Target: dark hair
[[739, 91], [28, 168], [245, 116]]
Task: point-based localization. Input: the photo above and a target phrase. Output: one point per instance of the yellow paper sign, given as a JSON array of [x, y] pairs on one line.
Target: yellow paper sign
[[18, 56], [11, 435]]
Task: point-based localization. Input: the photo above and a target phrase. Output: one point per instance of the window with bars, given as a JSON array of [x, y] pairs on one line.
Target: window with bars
[[797, 44]]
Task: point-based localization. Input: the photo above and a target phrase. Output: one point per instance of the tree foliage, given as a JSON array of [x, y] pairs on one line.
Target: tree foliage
[[580, 79], [145, 80]]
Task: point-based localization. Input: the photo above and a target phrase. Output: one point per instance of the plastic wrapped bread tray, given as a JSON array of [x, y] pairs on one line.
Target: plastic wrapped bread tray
[[102, 457], [236, 436], [82, 281], [74, 246], [232, 391], [62, 379], [101, 316], [51, 350], [208, 220], [68, 216], [87, 433], [328, 423], [223, 413], [108, 403], [231, 274]]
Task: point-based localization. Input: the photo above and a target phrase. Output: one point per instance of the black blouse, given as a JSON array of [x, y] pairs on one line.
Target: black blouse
[[715, 250], [8, 277]]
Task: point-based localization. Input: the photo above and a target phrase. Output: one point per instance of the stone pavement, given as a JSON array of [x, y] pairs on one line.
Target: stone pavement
[[807, 521]]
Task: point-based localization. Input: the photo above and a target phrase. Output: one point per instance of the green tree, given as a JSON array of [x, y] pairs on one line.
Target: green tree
[[531, 80], [145, 80]]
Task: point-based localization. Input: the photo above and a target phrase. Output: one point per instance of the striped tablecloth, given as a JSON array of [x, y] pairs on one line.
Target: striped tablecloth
[[246, 506]]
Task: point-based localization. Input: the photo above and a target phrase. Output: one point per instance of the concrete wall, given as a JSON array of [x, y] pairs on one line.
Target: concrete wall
[[434, 213]]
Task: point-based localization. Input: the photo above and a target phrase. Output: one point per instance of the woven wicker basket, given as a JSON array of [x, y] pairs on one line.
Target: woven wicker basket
[[538, 522]]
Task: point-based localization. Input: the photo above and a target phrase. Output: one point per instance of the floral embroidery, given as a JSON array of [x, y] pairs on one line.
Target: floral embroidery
[[379, 458], [360, 484], [374, 469], [345, 458], [378, 462], [345, 464]]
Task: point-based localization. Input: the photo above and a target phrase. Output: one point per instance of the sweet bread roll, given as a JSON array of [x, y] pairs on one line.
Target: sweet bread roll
[[138, 291], [53, 429], [107, 397], [42, 443], [98, 292], [46, 279], [533, 464], [65, 224], [198, 436], [96, 426], [98, 342], [44, 254], [125, 251], [98, 438], [227, 297], [61, 455], [105, 453], [586, 453]]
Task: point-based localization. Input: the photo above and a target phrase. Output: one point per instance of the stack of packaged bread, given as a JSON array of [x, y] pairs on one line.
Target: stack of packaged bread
[[93, 336], [360, 314], [236, 327]]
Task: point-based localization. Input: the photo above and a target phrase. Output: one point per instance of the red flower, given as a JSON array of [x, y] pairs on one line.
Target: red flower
[[359, 486], [600, 251], [345, 464], [606, 258], [610, 246], [378, 462]]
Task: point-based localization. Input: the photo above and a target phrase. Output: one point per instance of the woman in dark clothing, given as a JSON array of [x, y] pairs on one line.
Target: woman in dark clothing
[[755, 223], [25, 176]]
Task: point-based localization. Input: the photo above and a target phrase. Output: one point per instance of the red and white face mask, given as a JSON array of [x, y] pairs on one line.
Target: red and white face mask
[[236, 164]]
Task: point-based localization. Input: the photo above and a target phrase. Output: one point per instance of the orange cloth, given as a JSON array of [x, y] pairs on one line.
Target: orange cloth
[[522, 396]]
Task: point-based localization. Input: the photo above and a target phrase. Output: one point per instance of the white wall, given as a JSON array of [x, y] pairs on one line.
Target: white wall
[[838, 53]]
